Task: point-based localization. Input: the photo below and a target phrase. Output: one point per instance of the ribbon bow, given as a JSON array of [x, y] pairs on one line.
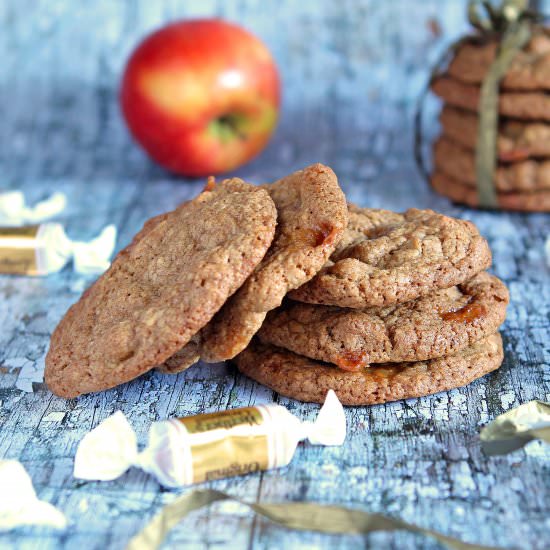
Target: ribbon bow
[[486, 17]]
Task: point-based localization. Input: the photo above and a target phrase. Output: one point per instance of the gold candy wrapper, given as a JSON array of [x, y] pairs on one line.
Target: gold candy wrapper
[[515, 428], [45, 248], [20, 251], [208, 446], [244, 443]]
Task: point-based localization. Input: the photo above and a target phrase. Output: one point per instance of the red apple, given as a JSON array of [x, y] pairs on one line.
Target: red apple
[[201, 96]]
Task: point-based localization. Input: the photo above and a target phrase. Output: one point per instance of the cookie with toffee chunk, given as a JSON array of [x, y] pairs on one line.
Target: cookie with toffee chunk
[[304, 379], [441, 323], [312, 216], [389, 258], [161, 289]]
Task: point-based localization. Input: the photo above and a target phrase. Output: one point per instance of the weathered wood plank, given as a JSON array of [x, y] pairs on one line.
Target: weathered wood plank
[[351, 72]]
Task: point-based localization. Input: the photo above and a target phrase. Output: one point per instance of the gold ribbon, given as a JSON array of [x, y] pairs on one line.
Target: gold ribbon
[[306, 516], [515, 428], [511, 22]]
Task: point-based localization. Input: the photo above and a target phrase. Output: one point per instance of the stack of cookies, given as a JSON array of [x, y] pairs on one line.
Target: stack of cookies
[[403, 309], [301, 291], [522, 176]]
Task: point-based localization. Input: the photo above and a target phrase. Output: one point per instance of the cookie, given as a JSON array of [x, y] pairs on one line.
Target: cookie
[[529, 70], [457, 191], [308, 380], [517, 140], [524, 176], [522, 105], [442, 323], [388, 258], [162, 289], [183, 358], [312, 216]]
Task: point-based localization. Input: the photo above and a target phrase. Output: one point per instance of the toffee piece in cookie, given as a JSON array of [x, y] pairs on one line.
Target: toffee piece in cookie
[[305, 379], [387, 258], [161, 289], [312, 216], [441, 323]]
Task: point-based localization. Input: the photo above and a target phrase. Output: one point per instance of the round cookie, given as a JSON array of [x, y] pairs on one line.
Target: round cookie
[[523, 176], [312, 216], [442, 323], [523, 105], [516, 140], [308, 380], [529, 70], [388, 258], [536, 201], [161, 289]]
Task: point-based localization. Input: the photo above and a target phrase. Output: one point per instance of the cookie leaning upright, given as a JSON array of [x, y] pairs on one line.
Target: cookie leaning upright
[[162, 289], [389, 258], [312, 217]]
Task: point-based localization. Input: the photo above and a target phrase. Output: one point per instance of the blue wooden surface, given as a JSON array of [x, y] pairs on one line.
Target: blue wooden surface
[[351, 72]]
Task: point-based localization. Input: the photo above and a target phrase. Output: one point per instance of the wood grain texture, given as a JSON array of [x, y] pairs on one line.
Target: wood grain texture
[[351, 71]]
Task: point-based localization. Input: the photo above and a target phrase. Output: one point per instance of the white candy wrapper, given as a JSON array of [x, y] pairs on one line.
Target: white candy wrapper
[[15, 212], [19, 505], [183, 451], [45, 248]]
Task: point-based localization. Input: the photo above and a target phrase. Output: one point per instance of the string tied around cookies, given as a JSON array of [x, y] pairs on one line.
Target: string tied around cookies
[[511, 23]]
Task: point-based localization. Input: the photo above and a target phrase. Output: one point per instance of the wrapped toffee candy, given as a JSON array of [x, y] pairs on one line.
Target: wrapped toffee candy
[[45, 248], [19, 505], [183, 451]]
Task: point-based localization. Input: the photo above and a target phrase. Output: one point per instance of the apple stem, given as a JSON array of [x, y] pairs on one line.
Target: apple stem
[[227, 127]]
